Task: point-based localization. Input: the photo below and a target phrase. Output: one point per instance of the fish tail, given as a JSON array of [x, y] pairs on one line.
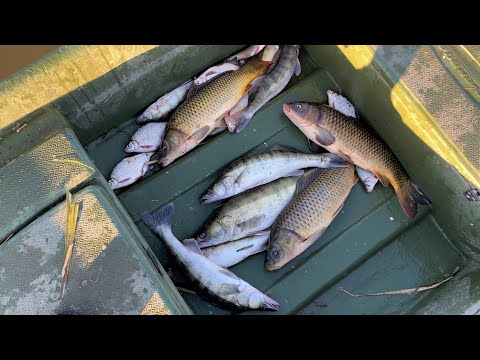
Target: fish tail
[[410, 196], [335, 160], [160, 220], [238, 121]]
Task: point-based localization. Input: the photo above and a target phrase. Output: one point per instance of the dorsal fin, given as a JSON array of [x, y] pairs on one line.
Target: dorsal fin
[[314, 147], [307, 179], [282, 147], [195, 89], [192, 245]]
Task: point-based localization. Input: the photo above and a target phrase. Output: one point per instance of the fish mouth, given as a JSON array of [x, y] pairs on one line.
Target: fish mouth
[[232, 126], [272, 267], [270, 304], [164, 162], [207, 198], [286, 109]]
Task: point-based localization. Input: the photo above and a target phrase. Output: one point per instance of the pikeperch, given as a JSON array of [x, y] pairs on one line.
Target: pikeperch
[[211, 280], [163, 106], [249, 213], [308, 215], [259, 169], [147, 138], [340, 103], [271, 85], [204, 111], [233, 252], [353, 141]]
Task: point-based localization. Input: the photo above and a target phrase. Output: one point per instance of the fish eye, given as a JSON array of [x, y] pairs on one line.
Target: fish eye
[[202, 236], [275, 253], [164, 147], [299, 106]]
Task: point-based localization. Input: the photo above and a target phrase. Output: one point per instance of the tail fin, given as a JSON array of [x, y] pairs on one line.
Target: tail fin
[[159, 220], [335, 160], [410, 196]]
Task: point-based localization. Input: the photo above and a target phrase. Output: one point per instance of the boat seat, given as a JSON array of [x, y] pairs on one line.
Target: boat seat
[[109, 272], [33, 181]]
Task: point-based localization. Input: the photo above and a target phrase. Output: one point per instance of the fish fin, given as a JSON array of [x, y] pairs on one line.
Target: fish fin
[[282, 147], [385, 182], [124, 180], [229, 273], [255, 84], [324, 137], [306, 180], [192, 245], [336, 160], [314, 237], [298, 68], [275, 59], [200, 134], [228, 289], [344, 156], [217, 130], [338, 210], [159, 219], [242, 104], [297, 172], [314, 147], [410, 196], [260, 233], [195, 89], [238, 180], [251, 222], [247, 89]]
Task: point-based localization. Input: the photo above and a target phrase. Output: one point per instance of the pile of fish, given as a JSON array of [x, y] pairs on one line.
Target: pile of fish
[[280, 201], [225, 96]]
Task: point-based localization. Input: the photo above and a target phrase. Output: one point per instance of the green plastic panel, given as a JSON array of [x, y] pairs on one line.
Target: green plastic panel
[[34, 181], [108, 272]]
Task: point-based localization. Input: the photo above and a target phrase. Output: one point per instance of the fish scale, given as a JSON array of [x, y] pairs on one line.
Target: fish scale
[[215, 99], [314, 208], [364, 141]]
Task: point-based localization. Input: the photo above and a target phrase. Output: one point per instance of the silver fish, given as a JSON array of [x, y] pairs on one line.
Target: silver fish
[[147, 138], [248, 52], [271, 85], [259, 169], [164, 105], [129, 170], [219, 284], [215, 71], [340, 103], [233, 252]]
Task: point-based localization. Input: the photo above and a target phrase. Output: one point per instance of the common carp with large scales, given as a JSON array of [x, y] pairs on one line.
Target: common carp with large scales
[[212, 281], [319, 197], [349, 138], [199, 115]]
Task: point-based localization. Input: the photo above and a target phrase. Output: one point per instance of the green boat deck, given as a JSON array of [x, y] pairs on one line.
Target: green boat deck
[[370, 247]]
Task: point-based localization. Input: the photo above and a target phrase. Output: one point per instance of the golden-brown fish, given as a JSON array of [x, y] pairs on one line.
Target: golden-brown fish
[[320, 196], [204, 111], [353, 141]]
